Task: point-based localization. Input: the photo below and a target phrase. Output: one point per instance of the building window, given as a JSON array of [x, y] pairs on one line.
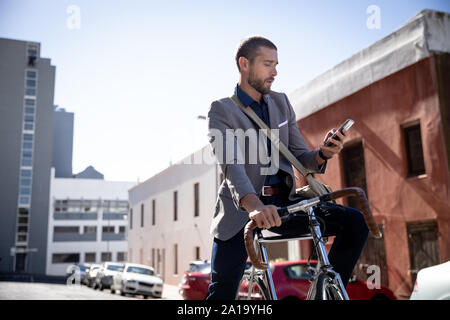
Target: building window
[[196, 199], [25, 173], [414, 150], [108, 229], [89, 257], [121, 256], [106, 256], [66, 229], [23, 211], [175, 260], [153, 212], [122, 229], [197, 253], [353, 164], [175, 206], [66, 258], [131, 219], [23, 219], [24, 200], [32, 52], [142, 215], [153, 257], [90, 230]]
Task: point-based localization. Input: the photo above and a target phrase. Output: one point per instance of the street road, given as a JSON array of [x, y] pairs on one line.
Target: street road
[[45, 291]]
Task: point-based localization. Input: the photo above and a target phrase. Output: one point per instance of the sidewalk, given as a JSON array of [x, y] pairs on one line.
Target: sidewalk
[[170, 292]]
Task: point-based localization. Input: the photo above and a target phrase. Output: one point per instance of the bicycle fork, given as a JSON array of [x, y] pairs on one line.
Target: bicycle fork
[[267, 273], [324, 263]]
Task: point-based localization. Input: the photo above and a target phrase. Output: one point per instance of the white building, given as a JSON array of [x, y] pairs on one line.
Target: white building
[[170, 217], [87, 222]]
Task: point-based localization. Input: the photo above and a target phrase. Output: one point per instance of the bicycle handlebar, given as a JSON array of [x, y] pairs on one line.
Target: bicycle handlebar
[[305, 204]]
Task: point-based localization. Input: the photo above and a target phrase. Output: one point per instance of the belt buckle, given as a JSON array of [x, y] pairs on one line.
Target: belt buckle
[[264, 193]]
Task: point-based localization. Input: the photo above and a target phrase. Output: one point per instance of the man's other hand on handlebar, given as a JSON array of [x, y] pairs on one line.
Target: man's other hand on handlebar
[[265, 216]]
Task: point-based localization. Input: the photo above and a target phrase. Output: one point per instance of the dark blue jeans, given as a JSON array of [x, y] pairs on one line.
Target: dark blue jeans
[[347, 224]]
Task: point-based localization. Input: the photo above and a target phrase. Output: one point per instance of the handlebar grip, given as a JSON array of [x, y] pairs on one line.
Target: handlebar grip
[[365, 207], [356, 192], [248, 239]]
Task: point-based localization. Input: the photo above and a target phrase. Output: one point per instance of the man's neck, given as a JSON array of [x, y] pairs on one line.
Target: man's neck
[[248, 89]]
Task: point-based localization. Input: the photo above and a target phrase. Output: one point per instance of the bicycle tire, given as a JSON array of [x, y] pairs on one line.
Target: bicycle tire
[[325, 288], [259, 290]]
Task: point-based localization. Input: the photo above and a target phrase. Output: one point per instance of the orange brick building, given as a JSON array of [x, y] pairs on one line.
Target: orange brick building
[[398, 92]]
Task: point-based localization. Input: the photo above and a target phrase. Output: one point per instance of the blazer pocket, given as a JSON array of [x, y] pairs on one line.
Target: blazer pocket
[[283, 124]]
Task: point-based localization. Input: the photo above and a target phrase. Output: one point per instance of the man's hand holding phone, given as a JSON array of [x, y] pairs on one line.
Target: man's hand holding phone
[[334, 140]]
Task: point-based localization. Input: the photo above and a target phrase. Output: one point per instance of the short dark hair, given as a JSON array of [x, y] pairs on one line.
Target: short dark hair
[[248, 48]]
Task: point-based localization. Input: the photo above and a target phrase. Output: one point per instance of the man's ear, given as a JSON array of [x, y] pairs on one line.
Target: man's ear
[[243, 63]]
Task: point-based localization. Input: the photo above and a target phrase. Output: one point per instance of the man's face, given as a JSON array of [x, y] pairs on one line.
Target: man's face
[[262, 70]]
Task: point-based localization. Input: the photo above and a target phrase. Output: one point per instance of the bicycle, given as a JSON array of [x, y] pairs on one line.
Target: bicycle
[[326, 284]]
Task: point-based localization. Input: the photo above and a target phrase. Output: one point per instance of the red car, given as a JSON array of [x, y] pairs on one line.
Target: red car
[[195, 282], [291, 280]]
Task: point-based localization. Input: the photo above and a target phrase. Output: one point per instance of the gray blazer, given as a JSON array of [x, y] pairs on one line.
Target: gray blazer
[[244, 178]]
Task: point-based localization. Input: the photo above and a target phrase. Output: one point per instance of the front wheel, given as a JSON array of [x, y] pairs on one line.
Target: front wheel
[[325, 288]]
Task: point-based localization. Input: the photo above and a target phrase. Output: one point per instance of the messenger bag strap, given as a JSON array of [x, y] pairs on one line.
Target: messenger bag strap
[[313, 183]]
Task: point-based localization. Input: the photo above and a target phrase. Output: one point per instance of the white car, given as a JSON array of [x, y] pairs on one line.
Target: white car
[[92, 274], [433, 283], [137, 279], [105, 275]]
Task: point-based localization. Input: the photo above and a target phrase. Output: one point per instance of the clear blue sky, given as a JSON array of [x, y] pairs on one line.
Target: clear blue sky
[[138, 73]]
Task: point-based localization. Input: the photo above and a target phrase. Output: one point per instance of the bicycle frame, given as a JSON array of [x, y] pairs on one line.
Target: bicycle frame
[[325, 271], [324, 263]]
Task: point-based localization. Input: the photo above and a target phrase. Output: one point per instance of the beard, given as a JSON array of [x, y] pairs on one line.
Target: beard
[[258, 84]]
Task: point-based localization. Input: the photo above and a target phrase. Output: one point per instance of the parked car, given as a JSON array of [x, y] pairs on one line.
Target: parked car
[[92, 274], [195, 281], [105, 275], [137, 279], [292, 281], [81, 268], [433, 283]]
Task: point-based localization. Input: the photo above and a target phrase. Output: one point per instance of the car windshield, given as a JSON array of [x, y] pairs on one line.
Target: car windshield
[[114, 267], [298, 271], [83, 267], [140, 270], [200, 267]]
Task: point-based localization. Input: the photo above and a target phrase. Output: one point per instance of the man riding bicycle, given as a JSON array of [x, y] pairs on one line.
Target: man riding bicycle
[[246, 193]]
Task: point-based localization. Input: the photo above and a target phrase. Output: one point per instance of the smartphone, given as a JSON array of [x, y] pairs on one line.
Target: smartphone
[[345, 126]]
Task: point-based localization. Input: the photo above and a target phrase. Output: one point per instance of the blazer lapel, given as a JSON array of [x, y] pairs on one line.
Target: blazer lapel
[[273, 114]]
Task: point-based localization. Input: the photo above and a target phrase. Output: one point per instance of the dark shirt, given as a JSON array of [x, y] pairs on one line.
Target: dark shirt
[[262, 110]]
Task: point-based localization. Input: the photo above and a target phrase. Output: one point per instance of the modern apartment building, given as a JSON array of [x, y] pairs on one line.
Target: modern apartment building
[[87, 222], [62, 143], [27, 83]]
